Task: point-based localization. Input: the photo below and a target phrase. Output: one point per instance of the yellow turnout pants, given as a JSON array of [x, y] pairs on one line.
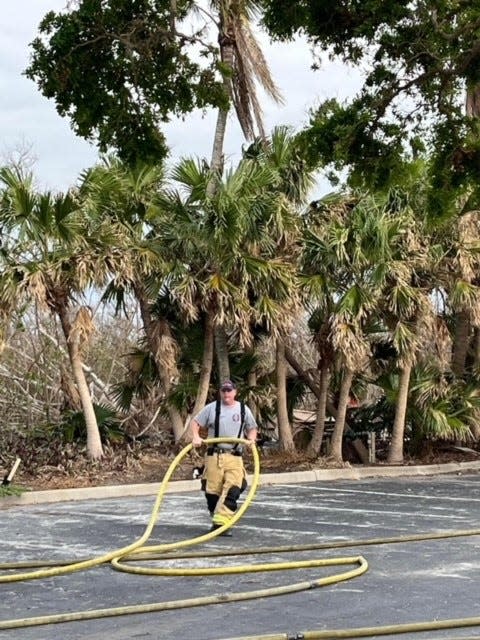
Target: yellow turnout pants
[[223, 481]]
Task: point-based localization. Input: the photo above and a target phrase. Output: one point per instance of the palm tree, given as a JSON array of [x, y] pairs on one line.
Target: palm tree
[[228, 270], [335, 279], [242, 66], [243, 63], [455, 240], [363, 256], [409, 322], [458, 271], [405, 304], [319, 325], [293, 181], [125, 196], [464, 261], [431, 258], [54, 257]]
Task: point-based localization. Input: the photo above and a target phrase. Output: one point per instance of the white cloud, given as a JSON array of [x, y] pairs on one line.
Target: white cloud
[[27, 119]]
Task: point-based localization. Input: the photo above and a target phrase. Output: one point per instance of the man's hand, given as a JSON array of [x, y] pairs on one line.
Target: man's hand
[[197, 440]]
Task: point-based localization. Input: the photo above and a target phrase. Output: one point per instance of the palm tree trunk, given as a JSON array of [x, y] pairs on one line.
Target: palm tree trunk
[[395, 452], [301, 373], [252, 383], [313, 449], [221, 350], [357, 444], [216, 164], [476, 348], [94, 442], [475, 427], [339, 428], [206, 367], [204, 377], [284, 429], [461, 342]]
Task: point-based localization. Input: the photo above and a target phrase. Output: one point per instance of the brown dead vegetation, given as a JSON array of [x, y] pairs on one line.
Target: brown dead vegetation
[[139, 464]]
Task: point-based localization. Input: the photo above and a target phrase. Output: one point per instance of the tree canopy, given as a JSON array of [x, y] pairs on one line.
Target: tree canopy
[[118, 69], [420, 61]]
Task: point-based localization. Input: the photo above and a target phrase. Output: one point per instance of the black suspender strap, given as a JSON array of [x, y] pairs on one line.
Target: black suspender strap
[[242, 418], [217, 419]]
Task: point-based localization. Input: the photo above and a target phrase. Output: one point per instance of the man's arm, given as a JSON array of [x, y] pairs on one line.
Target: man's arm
[[196, 439], [251, 428]]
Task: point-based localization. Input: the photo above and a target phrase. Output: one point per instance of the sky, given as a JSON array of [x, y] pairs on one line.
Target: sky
[[31, 127]]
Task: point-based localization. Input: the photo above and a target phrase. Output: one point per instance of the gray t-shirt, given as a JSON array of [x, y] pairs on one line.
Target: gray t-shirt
[[229, 424]]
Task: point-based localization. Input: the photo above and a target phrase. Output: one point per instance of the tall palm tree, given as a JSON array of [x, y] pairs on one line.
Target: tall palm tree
[[455, 239], [292, 182], [125, 196], [363, 256], [465, 261], [228, 268], [404, 302], [334, 278], [432, 257], [55, 257], [242, 65], [408, 312], [458, 271]]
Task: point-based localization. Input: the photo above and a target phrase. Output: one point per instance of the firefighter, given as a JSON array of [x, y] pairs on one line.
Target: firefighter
[[224, 476]]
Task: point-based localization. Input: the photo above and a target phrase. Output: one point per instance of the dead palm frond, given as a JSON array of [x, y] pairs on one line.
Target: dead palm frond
[[82, 328], [248, 64]]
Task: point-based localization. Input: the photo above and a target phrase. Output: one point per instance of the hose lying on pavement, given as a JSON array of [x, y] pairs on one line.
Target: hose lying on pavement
[[122, 558], [62, 569]]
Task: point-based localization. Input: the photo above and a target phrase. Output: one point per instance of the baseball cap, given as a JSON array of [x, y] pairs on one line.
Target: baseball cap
[[227, 385]]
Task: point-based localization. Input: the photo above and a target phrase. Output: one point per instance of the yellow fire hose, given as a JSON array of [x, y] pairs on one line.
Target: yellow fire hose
[[121, 559]]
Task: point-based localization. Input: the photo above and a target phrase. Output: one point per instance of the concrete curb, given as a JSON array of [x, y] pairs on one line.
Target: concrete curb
[[178, 486]]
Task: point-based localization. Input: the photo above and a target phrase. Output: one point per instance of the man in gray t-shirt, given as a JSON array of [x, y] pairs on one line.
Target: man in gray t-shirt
[[223, 478]]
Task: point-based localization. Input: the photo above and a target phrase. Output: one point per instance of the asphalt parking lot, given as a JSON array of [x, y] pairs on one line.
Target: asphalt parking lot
[[406, 582]]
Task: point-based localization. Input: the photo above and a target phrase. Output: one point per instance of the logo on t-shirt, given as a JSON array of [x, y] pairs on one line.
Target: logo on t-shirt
[[236, 417]]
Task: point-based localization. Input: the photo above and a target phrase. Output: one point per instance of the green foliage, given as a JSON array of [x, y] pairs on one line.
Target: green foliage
[[440, 407], [10, 490], [417, 58], [73, 429], [118, 69], [143, 375], [342, 136], [334, 23], [377, 417]]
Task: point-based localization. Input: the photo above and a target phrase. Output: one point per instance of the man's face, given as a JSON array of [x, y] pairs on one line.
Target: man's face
[[228, 395]]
